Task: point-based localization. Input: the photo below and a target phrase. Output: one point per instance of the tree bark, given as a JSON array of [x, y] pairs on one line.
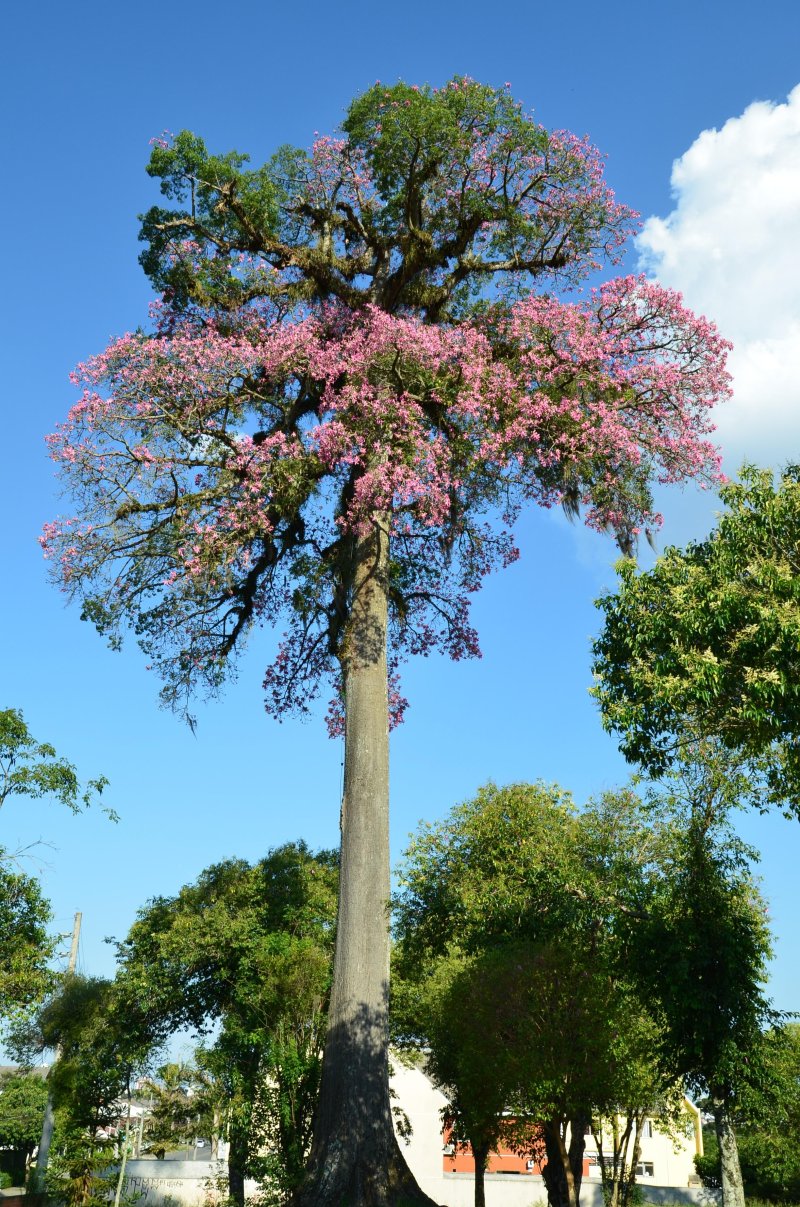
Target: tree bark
[[480, 1154], [732, 1186], [629, 1167], [237, 1161], [577, 1147], [215, 1127], [557, 1171], [355, 1160]]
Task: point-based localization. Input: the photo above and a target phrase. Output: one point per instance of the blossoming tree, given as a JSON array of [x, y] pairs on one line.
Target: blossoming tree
[[349, 391]]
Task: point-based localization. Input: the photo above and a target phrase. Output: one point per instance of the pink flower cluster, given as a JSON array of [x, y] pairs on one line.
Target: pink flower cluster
[[195, 446]]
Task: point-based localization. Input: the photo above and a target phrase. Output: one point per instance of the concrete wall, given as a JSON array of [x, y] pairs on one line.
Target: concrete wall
[[423, 1103], [512, 1190], [190, 1183]]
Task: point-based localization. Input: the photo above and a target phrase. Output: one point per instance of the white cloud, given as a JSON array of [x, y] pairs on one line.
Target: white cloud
[[732, 246]]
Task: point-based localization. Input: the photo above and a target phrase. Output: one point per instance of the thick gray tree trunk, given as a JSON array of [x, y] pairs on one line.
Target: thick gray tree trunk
[[732, 1185], [355, 1159]]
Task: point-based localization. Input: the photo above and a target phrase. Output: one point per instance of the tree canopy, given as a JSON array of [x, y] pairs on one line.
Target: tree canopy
[[326, 353], [248, 948], [428, 190], [706, 643], [31, 768], [99, 1050], [179, 1094], [703, 949], [768, 1120], [515, 919], [25, 945], [23, 1097]]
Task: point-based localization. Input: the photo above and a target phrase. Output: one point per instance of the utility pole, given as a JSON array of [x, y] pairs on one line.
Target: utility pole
[[43, 1154], [73, 947]]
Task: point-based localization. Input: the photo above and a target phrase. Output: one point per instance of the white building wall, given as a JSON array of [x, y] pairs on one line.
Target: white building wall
[[422, 1103], [673, 1161]]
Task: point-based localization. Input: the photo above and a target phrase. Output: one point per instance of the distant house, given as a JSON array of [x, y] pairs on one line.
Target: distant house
[[668, 1159], [445, 1171]]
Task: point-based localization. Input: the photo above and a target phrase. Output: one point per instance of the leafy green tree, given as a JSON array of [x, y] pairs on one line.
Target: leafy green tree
[[647, 1090], [178, 1113], [566, 1020], [100, 1051], [703, 948], [96, 1066], [768, 1120], [515, 915], [33, 769], [250, 948], [25, 945], [210, 1093], [696, 671], [453, 1018], [706, 643], [493, 864], [350, 392], [23, 1097]]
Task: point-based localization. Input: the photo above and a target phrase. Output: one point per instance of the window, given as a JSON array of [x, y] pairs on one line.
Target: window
[[647, 1129], [645, 1169]]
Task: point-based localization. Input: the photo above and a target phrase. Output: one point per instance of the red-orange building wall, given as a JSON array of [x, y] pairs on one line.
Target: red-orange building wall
[[502, 1161]]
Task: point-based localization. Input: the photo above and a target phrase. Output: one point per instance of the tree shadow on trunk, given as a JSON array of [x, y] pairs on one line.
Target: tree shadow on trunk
[[357, 1161]]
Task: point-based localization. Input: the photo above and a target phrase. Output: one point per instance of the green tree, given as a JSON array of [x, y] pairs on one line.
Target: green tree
[[703, 948], [210, 1092], [696, 673], [33, 769], [625, 849], [23, 1097], [768, 1120], [445, 1015], [178, 1113], [100, 1050], [706, 643], [515, 915], [25, 946], [248, 947], [647, 1089], [30, 769]]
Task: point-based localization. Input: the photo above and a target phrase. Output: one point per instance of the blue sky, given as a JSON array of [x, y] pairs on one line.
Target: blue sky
[[85, 87]]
